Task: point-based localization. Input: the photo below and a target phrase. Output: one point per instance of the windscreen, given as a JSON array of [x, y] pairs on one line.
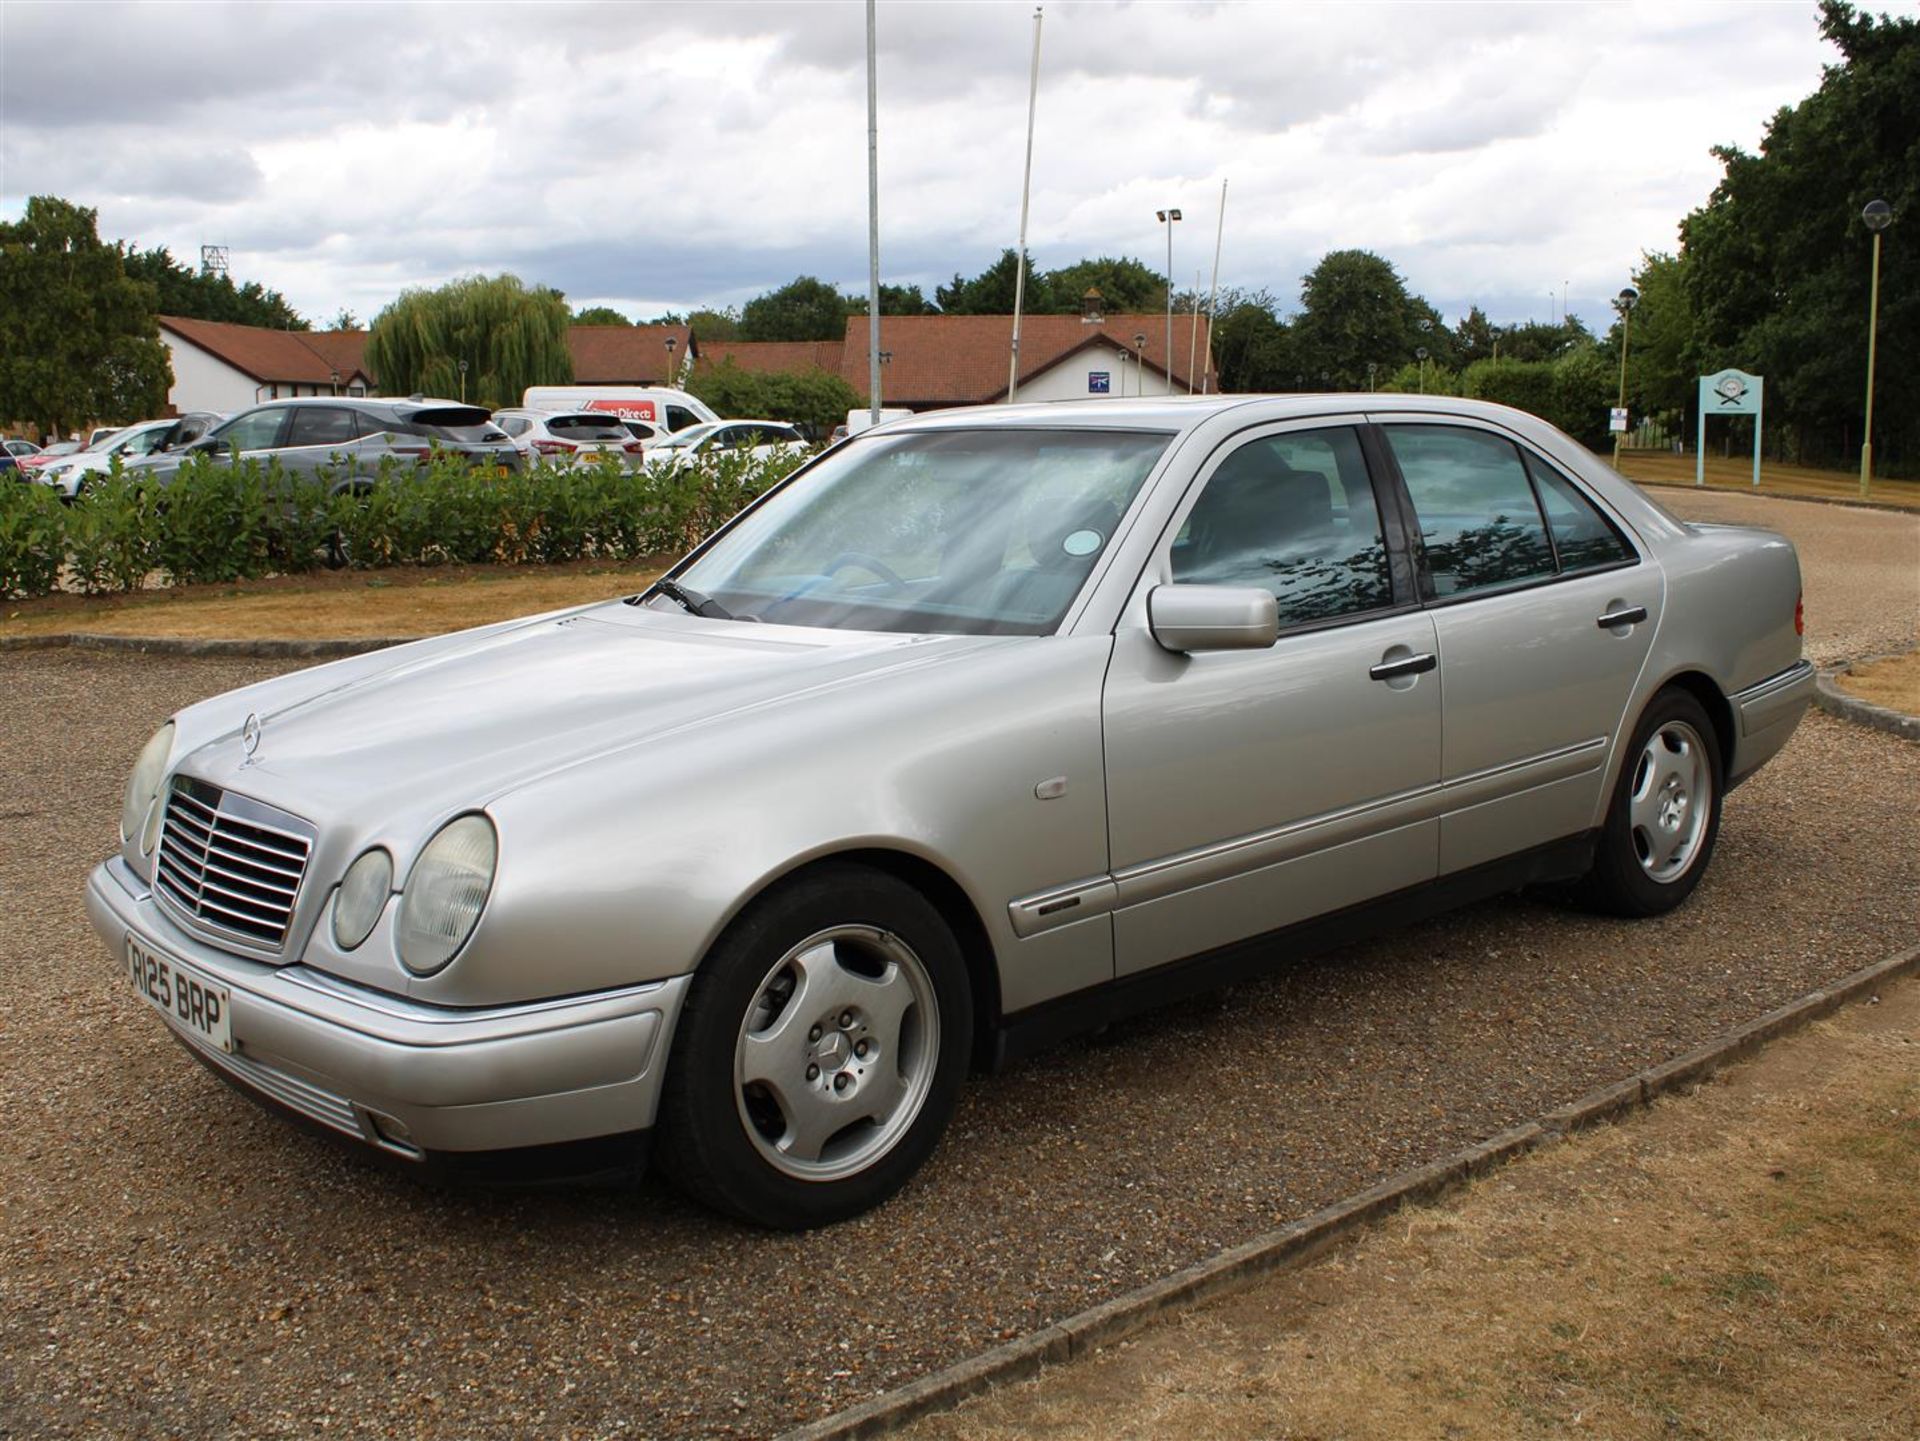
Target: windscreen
[[977, 532]]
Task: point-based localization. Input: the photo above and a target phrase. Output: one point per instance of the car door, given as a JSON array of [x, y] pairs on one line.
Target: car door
[[1544, 611], [319, 443], [1248, 790]]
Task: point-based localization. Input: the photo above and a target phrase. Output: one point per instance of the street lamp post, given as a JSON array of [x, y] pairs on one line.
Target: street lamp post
[[1420, 354], [463, 382], [1140, 362], [334, 375], [1877, 216], [1372, 365], [670, 343], [1167, 217], [1624, 303]]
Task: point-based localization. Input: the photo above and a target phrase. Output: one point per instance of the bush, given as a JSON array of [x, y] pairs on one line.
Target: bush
[[32, 538]]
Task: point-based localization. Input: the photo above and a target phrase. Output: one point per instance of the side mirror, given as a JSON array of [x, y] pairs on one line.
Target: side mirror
[[1187, 618]]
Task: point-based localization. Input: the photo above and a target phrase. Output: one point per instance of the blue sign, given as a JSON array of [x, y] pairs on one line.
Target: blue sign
[[1099, 382]]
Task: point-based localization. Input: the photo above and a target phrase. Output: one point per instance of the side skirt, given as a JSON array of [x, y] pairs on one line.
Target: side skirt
[[1037, 1028]]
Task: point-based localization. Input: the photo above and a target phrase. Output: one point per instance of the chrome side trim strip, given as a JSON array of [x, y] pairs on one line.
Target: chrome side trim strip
[[1766, 704], [1224, 860]]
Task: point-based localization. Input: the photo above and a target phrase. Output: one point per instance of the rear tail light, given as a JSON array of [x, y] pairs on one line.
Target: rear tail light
[[555, 447], [1800, 615], [634, 447]]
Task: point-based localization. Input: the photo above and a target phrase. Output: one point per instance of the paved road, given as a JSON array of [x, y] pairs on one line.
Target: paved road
[[174, 1262]]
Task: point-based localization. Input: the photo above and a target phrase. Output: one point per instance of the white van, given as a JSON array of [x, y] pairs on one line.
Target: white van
[[658, 406], [862, 419]]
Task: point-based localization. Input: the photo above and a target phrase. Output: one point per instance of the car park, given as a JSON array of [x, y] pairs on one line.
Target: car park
[[71, 474], [760, 439], [977, 731], [347, 442], [581, 436]]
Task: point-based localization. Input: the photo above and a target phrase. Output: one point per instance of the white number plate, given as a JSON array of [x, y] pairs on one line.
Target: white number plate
[[187, 998]]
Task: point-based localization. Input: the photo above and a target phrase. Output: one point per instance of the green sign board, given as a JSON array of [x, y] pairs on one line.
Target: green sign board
[[1729, 392]]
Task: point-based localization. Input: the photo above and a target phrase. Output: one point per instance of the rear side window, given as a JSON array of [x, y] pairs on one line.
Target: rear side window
[[1479, 523], [679, 417], [255, 430], [1583, 538], [321, 425]]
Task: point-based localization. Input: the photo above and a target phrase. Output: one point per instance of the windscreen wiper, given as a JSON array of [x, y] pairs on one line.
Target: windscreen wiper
[[692, 600]]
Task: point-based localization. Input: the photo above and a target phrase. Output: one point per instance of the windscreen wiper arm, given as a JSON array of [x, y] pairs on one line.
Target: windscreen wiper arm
[[692, 600]]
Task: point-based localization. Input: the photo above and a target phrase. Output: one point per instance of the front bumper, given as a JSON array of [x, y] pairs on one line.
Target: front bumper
[[414, 1081]]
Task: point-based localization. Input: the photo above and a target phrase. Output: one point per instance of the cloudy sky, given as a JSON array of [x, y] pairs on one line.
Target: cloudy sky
[[656, 157]]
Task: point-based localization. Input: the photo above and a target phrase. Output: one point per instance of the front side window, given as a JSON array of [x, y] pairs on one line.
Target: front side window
[[975, 532], [253, 430], [679, 417], [1479, 524], [1293, 514]]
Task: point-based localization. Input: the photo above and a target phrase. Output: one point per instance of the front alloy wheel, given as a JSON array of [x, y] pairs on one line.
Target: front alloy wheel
[[820, 1051]]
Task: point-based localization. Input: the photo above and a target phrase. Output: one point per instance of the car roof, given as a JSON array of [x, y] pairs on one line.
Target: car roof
[[1186, 412]]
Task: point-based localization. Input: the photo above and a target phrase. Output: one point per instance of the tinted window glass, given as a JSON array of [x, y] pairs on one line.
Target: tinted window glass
[[255, 430], [1583, 537], [1294, 514], [320, 425], [583, 427], [1479, 524], [462, 423], [679, 417]]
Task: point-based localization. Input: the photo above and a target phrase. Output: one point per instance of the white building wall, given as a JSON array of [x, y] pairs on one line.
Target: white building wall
[[203, 381], [1075, 377]]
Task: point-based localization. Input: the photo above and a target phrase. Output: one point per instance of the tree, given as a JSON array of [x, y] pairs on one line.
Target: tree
[[1663, 350], [1777, 260], [1355, 311], [1252, 348], [1475, 338], [1126, 286], [815, 398], [204, 295], [600, 315], [78, 337], [802, 309], [991, 291], [508, 336], [895, 300], [714, 324], [344, 319]]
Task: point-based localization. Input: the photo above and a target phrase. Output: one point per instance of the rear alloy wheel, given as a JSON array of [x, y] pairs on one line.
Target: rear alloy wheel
[[1665, 814], [820, 1052]]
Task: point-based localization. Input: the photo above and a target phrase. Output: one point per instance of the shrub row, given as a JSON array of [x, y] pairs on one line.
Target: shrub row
[[218, 521]]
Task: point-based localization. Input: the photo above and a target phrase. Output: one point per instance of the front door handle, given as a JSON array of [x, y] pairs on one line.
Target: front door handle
[[1406, 665], [1626, 615]]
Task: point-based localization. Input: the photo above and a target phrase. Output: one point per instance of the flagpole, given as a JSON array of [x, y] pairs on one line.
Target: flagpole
[[873, 215], [1026, 190], [1213, 289]]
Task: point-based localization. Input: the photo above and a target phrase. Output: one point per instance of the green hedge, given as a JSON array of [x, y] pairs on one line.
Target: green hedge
[[226, 522]]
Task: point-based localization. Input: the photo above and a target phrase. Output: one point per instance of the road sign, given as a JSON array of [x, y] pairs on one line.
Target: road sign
[[1099, 382], [1618, 421], [1729, 392]]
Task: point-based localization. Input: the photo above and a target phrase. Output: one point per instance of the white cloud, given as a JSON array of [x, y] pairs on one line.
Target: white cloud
[[662, 155]]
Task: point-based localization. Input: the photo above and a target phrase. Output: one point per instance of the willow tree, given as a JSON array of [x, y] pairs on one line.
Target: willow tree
[[507, 336]]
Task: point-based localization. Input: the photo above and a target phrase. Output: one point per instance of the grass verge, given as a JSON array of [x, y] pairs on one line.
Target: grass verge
[[1666, 468], [1740, 1262], [1893, 683]]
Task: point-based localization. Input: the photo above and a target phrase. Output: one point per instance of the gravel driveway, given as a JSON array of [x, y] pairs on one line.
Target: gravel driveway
[[174, 1262]]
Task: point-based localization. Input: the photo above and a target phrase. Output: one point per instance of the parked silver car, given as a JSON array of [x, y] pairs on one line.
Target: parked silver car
[[978, 730]]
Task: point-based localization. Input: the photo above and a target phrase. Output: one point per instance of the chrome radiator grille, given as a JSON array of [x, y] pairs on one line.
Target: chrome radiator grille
[[230, 863]]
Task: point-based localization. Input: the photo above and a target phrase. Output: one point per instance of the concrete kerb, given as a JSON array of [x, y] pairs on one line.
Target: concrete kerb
[[1828, 696], [1301, 1241], [178, 646]]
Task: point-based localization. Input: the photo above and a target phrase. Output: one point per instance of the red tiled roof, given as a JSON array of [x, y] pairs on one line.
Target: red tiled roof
[[627, 354], [962, 359], [306, 357], [764, 357]]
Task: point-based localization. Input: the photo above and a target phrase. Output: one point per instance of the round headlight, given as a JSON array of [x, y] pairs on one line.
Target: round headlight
[[363, 895], [144, 784], [445, 893]]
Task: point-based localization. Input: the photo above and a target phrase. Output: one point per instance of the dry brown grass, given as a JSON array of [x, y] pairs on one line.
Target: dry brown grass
[[347, 606], [1893, 683], [1737, 474], [1741, 1263]]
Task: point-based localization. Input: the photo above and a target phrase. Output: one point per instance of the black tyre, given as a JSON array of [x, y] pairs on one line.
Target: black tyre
[[1665, 815], [820, 1051]]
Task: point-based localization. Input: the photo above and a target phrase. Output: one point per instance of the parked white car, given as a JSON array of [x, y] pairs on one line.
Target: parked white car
[[762, 439], [72, 473], [582, 436]]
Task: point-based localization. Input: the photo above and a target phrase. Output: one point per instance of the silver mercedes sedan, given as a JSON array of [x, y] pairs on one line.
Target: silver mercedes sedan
[[983, 728]]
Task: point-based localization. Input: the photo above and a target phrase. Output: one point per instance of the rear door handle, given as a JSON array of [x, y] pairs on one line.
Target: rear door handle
[[1626, 615], [1406, 665]]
